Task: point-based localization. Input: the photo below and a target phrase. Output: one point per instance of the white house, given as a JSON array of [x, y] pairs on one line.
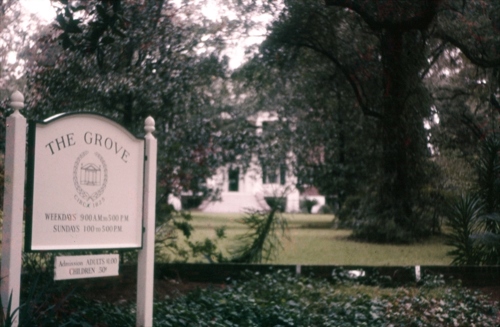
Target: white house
[[240, 190]]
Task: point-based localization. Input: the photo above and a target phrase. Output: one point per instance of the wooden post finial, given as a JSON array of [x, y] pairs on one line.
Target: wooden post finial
[[149, 125], [17, 100]]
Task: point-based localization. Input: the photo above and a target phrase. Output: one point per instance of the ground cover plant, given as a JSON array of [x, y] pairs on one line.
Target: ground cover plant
[[281, 298], [311, 239]]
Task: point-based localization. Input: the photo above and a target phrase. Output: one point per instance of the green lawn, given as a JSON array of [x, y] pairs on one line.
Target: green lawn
[[311, 240]]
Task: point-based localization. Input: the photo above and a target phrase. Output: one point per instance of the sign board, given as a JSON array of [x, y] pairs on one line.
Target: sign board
[[86, 266], [86, 177]]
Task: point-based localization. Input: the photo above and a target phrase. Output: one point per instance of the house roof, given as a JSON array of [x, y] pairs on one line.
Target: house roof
[[310, 190]]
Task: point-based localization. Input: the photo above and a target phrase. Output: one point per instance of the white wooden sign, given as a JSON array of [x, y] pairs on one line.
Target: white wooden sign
[[86, 266], [86, 174], [91, 185]]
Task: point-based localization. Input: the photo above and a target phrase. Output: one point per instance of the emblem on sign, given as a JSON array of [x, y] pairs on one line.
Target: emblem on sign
[[90, 177]]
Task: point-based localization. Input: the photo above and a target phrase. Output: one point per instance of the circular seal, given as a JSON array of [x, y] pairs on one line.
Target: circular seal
[[90, 176]]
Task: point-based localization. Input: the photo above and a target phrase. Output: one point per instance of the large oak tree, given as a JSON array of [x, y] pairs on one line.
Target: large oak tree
[[384, 50]]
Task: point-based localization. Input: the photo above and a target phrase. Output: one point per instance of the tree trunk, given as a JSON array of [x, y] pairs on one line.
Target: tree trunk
[[402, 130]]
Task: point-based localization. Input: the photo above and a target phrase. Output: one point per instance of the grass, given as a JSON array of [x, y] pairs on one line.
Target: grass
[[311, 240]]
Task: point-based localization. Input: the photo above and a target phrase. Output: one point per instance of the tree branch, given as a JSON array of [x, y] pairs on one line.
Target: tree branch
[[351, 78], [402, 17], [476, 60], [475, 129], [435, 56]]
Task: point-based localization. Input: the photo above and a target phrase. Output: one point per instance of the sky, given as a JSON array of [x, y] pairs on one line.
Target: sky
[[41, 8]]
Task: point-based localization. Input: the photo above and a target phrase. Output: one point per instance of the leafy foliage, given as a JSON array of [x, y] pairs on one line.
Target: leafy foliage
[[259, 244], [282, 299], [262, 240], [346, 79], [15, 37], [169, 224], [380, 59], [8, 318], [306, 205], [463, 219], [488, 171], [157, 64], [474, 219], [133, 59]]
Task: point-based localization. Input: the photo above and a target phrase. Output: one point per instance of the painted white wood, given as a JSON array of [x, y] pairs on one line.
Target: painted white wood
[[87, 185], [86, 266], [12, 236], [145, 266]]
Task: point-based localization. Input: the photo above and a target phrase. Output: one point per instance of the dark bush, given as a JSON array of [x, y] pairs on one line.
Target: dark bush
[[351, 212], [189, 202], [306, 205], [284, 299], [278, 203]]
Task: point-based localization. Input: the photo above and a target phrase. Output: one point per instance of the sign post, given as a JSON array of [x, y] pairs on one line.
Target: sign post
[[12, 234], [145, 264]]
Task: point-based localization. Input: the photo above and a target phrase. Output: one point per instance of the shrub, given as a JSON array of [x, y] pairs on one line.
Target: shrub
[[474, 220], [262, 241], [383, 229], [306, 205], [280, 298], [325, 209], [278, 203], [463, 217], [191, 201], [283, 299], [351, 212]]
